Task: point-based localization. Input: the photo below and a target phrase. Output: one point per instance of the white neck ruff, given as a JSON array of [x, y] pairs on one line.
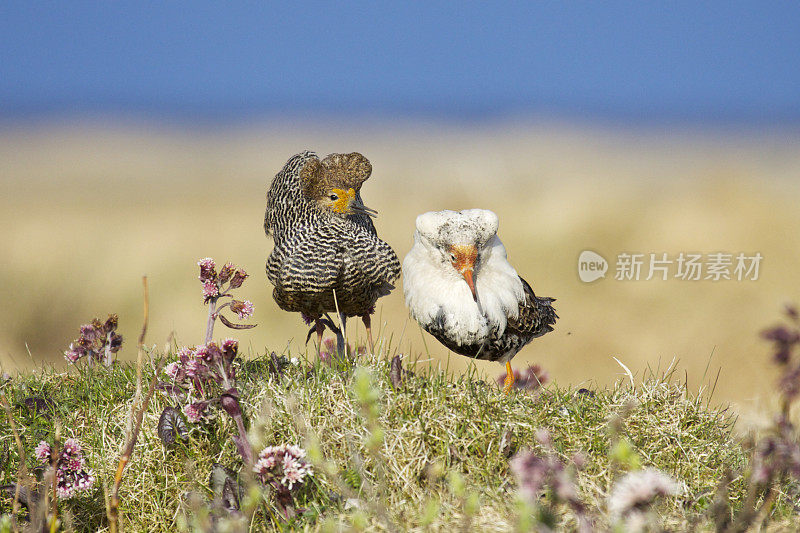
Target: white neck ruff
[[431, 284]]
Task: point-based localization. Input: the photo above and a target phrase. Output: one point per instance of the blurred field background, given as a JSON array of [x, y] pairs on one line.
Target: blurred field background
[[136, 139], [89, 207]]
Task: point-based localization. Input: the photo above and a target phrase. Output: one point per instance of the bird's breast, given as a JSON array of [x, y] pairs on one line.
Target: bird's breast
[[442, 300]]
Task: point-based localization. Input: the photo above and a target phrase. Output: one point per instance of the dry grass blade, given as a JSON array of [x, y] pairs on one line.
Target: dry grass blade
[[113, 512], [54, 484], [627, 371], [341, 339], [22, 471], [135, 422], [140, 344]]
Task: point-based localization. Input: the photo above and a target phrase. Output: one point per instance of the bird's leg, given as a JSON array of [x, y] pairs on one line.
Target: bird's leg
[[509, 382], [340, 347], [368, 325], [320, 330], [337, 331]]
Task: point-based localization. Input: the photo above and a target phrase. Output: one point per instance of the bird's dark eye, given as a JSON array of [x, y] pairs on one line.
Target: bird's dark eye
[[453, 258], [333, 197]]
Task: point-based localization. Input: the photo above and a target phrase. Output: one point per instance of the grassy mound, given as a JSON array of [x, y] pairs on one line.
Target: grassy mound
[[430, 453]]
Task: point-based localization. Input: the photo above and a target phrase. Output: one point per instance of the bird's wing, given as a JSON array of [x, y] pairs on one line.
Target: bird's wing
[[369, 261], [284, 194], [536, 315], [309, 260], [322, 257]]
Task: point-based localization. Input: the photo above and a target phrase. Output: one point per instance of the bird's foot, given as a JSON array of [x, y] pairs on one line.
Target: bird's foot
[[339, 332], [330, 325], [311, 332]]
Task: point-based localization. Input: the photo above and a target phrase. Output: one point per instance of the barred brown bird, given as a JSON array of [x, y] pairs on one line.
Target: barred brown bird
[[462, 290], [327, 253]]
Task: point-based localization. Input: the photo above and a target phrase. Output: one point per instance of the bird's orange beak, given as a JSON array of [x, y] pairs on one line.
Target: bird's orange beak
[[468, 278], [464, 263]]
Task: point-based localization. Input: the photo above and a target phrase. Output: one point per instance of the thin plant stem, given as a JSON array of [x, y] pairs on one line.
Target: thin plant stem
[[140, 344], [212, 311], [127, 452], [107, 351], [54, 486], [341, 338], [135, 422], [242, 442], [22, 472]]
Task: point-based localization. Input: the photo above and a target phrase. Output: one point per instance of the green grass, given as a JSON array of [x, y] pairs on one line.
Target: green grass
[[429, 455]]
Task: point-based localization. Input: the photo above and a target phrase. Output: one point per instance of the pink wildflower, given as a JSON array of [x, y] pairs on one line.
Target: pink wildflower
[[172, 369], [264, 464], [69, 482], [226, 272], [72, 476], [282, 464], [210, 289], [202, 352], [74, 353], [71, 447], [238, 278], [296, 451], [230, 347], [185, 353], [195, 368], [195, 411], [230, 344], [207, 266], [635, 491], [42, 451], [243, 310], [88, 332], [209, 353]]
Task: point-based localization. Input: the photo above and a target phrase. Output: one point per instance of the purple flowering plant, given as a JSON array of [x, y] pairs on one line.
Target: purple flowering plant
[[329, 353], [531, 379], [284, 469], [539, 473], [785, 339], [218, 286], [206, 374], [72, 474], [98, 342], [776, 456]]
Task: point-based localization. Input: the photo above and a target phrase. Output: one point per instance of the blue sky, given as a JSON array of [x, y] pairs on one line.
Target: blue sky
[[696, 61]]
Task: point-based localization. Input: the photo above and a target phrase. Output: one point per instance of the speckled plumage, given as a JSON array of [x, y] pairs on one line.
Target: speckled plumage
[[289, 209], [493, 319], [318, 251], [339, 255]]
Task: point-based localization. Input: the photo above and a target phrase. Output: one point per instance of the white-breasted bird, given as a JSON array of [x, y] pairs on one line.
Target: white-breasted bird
[[460, 287]]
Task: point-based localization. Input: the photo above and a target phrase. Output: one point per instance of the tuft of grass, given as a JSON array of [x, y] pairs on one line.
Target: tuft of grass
[[428, 452]]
